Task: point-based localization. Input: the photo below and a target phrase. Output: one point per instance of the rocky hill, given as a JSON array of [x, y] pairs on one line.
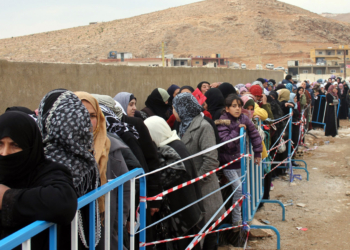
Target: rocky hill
[[339, 17], [250, 31]]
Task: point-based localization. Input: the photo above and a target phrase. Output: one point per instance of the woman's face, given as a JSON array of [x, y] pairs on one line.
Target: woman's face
[[235, 109], [93, 114], [176, 92], [250, 107], [205, 87], [303, 84], [177, 117], [131, 108], [335, 91], [295, 99], [270, 87], [301, 91], [8, 146], [205, 106]]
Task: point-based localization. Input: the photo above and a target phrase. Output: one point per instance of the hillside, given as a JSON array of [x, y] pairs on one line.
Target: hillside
[[339, 17], [250, 31]]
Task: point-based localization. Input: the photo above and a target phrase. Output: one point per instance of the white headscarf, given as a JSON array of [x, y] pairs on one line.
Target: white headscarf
[[160, 131]]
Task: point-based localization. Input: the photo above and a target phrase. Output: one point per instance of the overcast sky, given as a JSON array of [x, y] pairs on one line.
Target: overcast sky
[[24, 17]]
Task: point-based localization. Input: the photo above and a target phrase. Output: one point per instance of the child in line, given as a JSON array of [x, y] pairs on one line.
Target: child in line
[[229, 126]]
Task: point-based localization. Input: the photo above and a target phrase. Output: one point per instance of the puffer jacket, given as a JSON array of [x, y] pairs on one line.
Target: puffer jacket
[[228, 127]]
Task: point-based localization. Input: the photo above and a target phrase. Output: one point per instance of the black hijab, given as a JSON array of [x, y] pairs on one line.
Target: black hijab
[[201, 83], [187, 87], [21, 109], [17, 170], [298, 95], [274, 94], [280, 86], [215, 101], [226, 89], [156, 103]]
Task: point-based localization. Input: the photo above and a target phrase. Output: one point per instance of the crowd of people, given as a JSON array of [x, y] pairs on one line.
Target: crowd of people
[[76, 141]]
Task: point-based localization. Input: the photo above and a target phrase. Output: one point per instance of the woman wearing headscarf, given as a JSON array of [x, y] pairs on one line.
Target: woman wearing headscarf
[[226, 89], [156, 104], [198, 135], [248, 85], [280, 86], [111, 164], [65, 125], [331, 118], [173, 90], [187, 89], [301, 98], [110, 103], [343, 93], [295, 128], [31, 186], [128, 102], [215, 101], [203, 86], [172, 149]]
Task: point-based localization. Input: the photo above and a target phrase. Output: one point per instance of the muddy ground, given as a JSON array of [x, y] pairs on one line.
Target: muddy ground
[[327, 206]]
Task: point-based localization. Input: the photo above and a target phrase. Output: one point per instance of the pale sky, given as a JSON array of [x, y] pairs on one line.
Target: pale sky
[[24, 17]]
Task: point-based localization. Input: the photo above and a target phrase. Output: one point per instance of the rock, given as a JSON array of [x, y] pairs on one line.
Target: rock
[[260, 233], [301, 205], [347, 193], [293, 184]]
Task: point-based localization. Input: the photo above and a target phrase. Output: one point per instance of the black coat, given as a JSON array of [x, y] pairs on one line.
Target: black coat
[[51, 197]]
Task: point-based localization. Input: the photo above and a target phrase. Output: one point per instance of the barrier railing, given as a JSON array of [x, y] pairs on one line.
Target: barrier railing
[[24, 235], [318, 111]]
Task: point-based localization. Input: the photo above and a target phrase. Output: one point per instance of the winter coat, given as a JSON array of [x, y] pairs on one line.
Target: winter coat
[[198, 137], [116, 167], [231, 151]]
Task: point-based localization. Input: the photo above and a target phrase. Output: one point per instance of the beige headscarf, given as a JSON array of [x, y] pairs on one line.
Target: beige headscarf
[[160, 131], [101, 142], [283, 95]]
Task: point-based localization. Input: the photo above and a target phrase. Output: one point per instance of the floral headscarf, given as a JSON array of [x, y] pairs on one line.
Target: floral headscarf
[[187, 108]]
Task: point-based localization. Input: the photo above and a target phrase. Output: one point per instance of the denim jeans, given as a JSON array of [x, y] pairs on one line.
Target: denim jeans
[[233, 174]]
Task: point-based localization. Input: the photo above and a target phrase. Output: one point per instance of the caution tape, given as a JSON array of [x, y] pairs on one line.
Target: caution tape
[[239, 202], [159, 196], [276, 167], [281, 120]]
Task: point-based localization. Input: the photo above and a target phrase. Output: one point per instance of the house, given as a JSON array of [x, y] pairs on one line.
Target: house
[[320, 55]]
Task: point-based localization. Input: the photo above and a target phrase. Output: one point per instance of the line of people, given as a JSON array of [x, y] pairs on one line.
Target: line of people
[[76, 142]]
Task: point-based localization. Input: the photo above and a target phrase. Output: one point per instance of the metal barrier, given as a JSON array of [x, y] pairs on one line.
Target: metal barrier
[[24, 235]]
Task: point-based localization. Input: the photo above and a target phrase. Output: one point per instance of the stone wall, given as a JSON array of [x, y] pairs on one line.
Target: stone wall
[[25, 83]]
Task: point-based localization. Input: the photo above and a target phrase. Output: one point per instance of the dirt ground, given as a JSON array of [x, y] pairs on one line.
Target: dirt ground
[[327, 206]]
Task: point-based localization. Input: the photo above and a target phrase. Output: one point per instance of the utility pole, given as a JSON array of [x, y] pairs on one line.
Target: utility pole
[[163, 56], [344, 64]]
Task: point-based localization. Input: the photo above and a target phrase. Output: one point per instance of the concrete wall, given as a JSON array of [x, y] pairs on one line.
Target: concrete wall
[[25, 84]]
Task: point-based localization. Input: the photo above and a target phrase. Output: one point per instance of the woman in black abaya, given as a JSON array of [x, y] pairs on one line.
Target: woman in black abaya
[[32, 187], [342, 94], [331, 119], [215, 101]]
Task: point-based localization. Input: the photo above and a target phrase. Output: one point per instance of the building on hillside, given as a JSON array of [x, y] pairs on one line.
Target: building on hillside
[[150, 62], [316, 69], [180, 62], [213, 62], [321, 55]]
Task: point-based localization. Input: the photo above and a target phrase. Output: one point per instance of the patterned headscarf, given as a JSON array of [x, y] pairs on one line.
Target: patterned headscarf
[[187, 108], [115, 125], [110, 103], [67, 138], [330, 91]]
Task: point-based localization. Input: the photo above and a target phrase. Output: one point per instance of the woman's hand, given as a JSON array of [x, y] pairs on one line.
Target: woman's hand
[[242, 126], [257, 160], [154, 210], [3, 189]]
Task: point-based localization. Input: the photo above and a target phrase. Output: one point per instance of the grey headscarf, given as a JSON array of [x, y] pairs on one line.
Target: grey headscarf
[[110, 103], [124, 98], [187, 107], [258, 83]]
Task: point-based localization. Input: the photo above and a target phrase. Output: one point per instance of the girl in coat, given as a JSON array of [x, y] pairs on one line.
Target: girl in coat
[[229, 127], [31, 186], [197, 134]]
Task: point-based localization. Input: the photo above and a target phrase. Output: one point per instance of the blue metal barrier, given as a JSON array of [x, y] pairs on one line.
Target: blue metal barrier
[[24, 235], [318, 112], [254, 187]]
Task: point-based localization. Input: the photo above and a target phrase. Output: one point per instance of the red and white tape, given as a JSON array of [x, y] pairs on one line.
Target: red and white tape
[[159, 196], [276, 167], [239, 202]]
